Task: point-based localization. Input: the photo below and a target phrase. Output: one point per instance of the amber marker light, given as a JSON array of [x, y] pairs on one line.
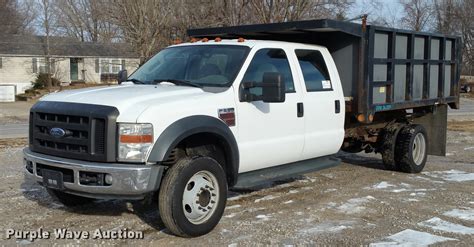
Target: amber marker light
[[240, 39], [136, 138], [217, 39]]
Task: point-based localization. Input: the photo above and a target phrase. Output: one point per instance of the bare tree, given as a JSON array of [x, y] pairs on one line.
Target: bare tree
[[16, 17], [86, 20], [417, 14], [268, 11], [142, 23], [46, 20]]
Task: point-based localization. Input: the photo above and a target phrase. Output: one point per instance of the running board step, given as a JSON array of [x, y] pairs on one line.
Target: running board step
[[281, 172]]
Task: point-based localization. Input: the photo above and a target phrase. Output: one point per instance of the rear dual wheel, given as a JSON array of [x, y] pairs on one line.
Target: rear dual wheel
[[410, 152]]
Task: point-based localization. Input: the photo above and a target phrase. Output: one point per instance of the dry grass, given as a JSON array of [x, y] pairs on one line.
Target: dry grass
[[13, 142], [468, 95], [466, 126]]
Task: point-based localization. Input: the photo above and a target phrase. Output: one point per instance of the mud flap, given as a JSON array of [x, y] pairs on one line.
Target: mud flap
[[435, 123]]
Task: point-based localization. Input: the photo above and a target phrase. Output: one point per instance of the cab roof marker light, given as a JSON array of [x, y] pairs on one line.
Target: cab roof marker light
[[218, 39], [240, 39], [205, 40]]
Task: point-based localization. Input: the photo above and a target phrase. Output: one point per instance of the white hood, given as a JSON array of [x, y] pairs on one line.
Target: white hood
[[130, 100]]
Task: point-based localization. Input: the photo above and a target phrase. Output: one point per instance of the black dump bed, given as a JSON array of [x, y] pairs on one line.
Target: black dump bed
[[381, 69]]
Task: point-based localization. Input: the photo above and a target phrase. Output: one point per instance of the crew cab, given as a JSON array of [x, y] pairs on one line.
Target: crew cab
[[221, 111]]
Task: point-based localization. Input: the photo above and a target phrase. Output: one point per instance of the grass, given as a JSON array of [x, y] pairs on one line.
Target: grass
[[13, 142], [465, 126]]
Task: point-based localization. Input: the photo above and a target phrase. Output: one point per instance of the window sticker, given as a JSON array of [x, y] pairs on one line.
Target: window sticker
[[326, 84]]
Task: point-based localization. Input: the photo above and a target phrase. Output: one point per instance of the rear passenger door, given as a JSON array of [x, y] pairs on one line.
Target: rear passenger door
[[322, 99]]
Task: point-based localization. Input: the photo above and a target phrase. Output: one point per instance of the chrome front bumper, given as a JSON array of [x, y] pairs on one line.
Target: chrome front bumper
[[129, 181]]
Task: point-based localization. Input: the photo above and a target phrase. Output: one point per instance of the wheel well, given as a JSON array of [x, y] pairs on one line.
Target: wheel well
[[204, 144]]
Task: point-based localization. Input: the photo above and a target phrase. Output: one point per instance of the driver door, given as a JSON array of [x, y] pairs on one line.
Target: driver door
[[270, 134]]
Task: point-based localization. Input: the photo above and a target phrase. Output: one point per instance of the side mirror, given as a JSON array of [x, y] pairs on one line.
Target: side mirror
[[122, 76], [273, 88]]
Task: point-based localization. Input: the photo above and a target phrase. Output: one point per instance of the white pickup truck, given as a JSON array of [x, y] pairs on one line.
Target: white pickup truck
[[201, 117]]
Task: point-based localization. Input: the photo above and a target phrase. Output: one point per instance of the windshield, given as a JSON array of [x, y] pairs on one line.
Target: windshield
[[204, 65]]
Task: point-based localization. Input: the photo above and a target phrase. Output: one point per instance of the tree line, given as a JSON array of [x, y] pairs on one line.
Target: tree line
[[149, 25]]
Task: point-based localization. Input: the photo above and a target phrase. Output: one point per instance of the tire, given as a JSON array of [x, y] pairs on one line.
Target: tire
[[411, 149], [387, 148], [189, 210], [69, 200]]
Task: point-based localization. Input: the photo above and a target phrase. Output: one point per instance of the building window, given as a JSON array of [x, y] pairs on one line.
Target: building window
[[42, 66], [104, 66], [116, 65], [110, 66]]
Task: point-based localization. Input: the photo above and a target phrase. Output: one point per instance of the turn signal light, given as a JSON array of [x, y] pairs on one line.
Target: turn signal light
[[136, 138]]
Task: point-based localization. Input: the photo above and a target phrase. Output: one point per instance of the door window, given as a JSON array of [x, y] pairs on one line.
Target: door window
[[269, 60], [315, 72]]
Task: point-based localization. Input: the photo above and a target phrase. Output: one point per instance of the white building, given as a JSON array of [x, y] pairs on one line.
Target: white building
[[23, 57]]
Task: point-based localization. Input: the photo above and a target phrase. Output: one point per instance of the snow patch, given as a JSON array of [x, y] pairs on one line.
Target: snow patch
[[266, 198], [463, 214], [354, 205], [232, 215], [263, 217], [382, 185], [445, 226], [330, 190], [292, 191], [452, 175], [410, 237], [418, 194], [468, 148], [288, 202], [233, 206], [235, 198], [328, 227]]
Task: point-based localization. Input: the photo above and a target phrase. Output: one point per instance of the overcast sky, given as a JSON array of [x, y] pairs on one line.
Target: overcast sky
[[391, 10]]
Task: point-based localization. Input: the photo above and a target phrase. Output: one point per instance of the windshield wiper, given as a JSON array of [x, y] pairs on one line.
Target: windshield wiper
[[178, 82], [136, 81]]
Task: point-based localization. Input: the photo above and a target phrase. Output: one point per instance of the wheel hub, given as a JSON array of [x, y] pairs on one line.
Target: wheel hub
[[419, 149], [200, 197]]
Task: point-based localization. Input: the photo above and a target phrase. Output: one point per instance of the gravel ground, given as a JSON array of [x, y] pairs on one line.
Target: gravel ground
[[354, 203]]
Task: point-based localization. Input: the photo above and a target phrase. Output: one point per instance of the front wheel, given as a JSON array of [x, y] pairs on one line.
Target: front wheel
[[192, 196], [411, 149]]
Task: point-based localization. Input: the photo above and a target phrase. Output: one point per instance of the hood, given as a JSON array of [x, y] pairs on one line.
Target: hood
[[130, 100]]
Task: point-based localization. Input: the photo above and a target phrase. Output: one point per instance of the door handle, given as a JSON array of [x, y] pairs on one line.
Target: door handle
[[300, 109], [337, 105]]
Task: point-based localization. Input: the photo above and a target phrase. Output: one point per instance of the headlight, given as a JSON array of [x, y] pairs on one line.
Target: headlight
[[135, 140]]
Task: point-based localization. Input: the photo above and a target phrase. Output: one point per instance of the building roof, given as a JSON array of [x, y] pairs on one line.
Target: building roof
[[28, 45]]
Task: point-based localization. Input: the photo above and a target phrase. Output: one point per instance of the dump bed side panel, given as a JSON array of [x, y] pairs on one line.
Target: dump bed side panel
[[408, 69]]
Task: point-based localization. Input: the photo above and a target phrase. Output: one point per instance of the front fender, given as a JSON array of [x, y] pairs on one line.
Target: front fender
[[191, 125]]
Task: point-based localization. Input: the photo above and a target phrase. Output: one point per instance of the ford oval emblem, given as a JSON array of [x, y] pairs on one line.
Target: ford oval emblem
[[57, 132]]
